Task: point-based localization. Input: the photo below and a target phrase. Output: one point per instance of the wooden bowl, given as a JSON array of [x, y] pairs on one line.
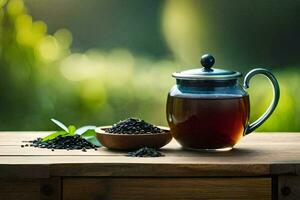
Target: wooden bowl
[[132, 141]]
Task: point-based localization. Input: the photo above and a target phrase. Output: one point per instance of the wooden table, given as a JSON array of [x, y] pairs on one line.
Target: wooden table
[[262, 166]]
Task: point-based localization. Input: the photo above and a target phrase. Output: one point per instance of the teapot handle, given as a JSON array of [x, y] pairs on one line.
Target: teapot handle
[[276, 94]]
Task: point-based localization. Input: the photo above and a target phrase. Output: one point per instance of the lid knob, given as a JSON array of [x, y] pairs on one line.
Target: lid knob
[[207, 61]]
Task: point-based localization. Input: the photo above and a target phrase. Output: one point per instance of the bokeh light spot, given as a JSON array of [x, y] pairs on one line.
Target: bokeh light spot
[[49, 49], [15, 7], [64, 37]]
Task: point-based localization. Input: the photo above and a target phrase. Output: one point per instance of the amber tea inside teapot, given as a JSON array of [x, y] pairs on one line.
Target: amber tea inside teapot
[[208, 109]]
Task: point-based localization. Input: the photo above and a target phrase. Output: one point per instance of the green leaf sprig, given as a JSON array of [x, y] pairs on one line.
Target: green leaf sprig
[[86, 132]]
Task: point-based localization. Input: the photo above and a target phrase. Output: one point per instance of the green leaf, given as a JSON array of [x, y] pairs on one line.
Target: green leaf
[[71, 129], [54, 135], [83, 129], [88, 133], [61, 125], [93, 140]]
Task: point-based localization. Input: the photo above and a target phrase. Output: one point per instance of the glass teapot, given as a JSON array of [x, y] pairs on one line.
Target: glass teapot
[[208, 109]]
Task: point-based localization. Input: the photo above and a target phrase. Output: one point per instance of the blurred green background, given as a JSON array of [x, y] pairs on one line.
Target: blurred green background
[[98, 62]]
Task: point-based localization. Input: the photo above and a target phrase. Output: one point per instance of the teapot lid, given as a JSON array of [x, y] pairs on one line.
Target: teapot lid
[[207, 72]]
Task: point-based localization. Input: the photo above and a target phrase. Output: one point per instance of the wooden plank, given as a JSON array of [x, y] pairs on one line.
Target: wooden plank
[[269, 152], [243, 154], [285, 169], [158, 170], [121, 165], [24, 171], [39, 160], [266, 153], [288, 187], [16, 138], [272, 137], [44, 189], [33, 151], [166, 188]]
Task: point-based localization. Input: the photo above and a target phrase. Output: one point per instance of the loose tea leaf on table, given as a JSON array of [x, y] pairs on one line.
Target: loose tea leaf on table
[[145, 152], [69, 138], [67, 142]]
